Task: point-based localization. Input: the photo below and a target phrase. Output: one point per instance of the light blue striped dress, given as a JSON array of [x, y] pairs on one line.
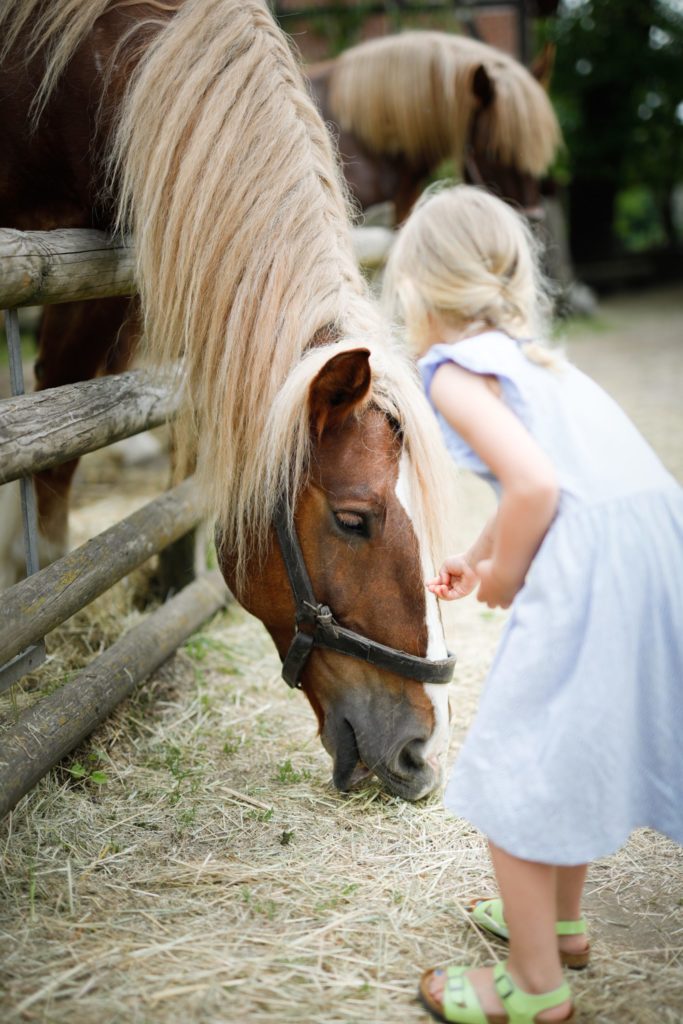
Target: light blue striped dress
[[579, 734]]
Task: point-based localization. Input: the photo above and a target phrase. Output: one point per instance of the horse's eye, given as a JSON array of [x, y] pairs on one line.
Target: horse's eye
[[352, 522]]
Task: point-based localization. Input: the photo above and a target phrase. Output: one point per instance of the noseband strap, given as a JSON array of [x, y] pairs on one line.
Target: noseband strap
[[317, 627]]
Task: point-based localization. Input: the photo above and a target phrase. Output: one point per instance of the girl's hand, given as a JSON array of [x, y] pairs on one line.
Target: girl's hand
[[494, 590], [456, 579]]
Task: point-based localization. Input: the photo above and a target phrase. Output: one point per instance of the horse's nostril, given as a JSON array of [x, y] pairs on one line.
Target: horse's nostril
[[411, 758]]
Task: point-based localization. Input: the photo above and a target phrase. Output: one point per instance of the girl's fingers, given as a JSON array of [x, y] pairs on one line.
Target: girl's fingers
[[442, 578]]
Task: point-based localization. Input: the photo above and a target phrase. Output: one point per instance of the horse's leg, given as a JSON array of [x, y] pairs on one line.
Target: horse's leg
[[76, 341]]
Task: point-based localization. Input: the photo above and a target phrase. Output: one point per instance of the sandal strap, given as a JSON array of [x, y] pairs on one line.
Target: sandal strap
[[460, 1000], [489, 914], [523, 1007], [572, 927]]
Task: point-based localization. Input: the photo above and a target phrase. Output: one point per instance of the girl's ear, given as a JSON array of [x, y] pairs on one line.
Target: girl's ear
[[340, 387]]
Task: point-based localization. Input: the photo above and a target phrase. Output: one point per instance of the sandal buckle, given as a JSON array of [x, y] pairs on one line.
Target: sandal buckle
[[504, 985]]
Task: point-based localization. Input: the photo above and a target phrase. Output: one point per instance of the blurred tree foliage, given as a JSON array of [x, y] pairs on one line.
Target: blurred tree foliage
[[618, 89]]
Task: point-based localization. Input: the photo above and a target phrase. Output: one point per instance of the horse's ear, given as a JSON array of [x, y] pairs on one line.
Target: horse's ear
[[483, 87], [543, 65], [342, 384]]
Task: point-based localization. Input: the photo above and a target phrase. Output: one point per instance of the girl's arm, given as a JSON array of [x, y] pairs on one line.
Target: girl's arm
[[482, 547], [526, 474]]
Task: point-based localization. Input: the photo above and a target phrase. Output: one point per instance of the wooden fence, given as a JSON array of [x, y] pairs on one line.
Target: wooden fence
[[50, 427]]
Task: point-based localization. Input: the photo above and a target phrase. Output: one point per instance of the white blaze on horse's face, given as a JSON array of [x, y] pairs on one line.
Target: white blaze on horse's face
[[435, 748]]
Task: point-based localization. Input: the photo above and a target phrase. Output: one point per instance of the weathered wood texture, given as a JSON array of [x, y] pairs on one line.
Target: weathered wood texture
[[52, 426], [33, 607], [48, 731], [40, 267]]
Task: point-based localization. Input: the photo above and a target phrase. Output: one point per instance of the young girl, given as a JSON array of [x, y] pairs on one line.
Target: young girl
[[578, 736]]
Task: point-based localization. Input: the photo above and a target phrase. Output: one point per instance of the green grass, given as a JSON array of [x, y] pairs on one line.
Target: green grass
[[287, 774]]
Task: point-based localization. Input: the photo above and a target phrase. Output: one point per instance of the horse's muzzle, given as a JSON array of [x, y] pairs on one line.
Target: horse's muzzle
[[401, 766]]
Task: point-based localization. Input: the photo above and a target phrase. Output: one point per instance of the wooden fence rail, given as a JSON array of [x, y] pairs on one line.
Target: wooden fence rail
[[38, 604], [67, 265], [48, 731], [40, 267], [49, 427]]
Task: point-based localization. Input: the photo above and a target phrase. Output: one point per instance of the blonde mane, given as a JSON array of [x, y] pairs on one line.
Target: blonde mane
[[412, 93], [227, 181], [229, 185]]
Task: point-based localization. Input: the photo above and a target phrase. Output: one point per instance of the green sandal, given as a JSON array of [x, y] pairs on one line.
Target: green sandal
[[461, 1004], [488, 914]]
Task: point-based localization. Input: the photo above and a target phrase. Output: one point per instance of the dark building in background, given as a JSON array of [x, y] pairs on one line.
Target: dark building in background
[[322, 28]]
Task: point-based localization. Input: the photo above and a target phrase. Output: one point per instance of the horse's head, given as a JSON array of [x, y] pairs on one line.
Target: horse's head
[[402, 104], [366, 563], [512, 135]]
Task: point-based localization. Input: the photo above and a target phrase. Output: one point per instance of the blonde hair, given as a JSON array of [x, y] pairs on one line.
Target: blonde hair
[[467, 261]]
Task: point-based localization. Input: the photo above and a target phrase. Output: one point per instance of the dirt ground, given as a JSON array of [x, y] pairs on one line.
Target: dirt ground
[[192, 864]]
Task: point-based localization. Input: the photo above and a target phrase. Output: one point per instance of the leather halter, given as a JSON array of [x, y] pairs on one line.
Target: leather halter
[[316, 626]]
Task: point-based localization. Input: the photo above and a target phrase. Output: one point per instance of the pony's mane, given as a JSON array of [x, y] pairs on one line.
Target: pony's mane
[[226, 179], [412, 93], [229, 184]]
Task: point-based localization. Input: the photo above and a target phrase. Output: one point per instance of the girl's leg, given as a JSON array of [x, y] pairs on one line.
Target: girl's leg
[[570, 883], [529, 896], [529, 892]]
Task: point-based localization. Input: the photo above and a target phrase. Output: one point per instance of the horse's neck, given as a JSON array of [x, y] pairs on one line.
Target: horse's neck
[[51, 184]]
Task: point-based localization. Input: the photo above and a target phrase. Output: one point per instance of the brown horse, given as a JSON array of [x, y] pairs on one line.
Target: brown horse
[[402, 104], [300, 410]]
